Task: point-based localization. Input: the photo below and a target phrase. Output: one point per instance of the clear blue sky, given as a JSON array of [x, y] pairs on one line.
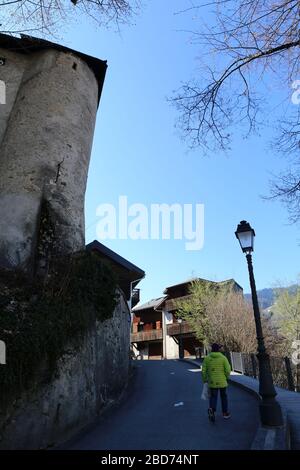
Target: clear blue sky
[[138, 153]]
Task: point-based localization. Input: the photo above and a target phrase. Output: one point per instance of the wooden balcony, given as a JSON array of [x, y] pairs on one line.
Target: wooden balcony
[[175, 329], [150, 335], [172, 304]]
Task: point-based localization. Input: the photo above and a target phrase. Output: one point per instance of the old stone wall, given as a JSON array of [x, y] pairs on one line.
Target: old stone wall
[[46, 133], [88, 379], [11, 73]]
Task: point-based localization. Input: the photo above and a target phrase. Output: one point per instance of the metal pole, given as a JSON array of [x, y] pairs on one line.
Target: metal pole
[[289, 373], [270, 411], [180, 344], [253, 361]]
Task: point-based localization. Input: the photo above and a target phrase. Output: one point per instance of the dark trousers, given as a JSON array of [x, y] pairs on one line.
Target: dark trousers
[[214, 399]]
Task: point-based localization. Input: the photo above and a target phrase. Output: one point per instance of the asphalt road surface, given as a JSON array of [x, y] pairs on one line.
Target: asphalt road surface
[[163, 411]]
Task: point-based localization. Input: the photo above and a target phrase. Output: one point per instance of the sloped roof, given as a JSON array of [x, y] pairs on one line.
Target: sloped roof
[[189, 281], [117, 259], [126, 272], [150, 304]]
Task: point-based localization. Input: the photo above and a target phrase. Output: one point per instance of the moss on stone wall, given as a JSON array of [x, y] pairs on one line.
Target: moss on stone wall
[[40, 320]]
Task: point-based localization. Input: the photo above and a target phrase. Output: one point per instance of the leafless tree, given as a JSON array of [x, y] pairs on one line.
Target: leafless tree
[[249, 41], [232, 324], [223, 316], [46, 16]]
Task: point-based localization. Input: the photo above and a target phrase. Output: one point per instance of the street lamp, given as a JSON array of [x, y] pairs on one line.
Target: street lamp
[[181, 355], [270, 411]]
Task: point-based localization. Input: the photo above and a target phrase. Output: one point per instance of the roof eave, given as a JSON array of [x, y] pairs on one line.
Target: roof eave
[[26, 44], [136, 274]]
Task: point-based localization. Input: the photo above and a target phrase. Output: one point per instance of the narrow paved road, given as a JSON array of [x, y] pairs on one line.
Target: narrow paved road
[[149, 420]]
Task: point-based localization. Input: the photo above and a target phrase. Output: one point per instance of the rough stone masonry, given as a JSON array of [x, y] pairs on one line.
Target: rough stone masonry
[[47, 120], [46, 131]]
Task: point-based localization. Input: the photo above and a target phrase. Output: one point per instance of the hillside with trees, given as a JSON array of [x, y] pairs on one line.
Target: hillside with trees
[[267, 296]]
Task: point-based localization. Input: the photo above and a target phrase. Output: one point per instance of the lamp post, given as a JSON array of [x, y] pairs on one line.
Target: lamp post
[[270, 411], [181, 355]]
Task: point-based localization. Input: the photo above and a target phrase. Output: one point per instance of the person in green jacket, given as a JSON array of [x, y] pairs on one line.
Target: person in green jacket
[[215, 372]]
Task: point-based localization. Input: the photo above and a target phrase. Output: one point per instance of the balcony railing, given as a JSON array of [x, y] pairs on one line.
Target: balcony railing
[[175, 329], [150, 335]]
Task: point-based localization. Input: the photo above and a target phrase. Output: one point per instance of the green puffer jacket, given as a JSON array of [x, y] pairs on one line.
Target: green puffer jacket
[[216, 370]]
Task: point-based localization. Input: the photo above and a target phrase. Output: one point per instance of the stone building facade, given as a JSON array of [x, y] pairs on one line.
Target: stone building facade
[[46, 132], [48, 106], [89, 379]]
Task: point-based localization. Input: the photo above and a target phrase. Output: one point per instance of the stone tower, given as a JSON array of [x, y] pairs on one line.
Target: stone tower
[[46, 132]]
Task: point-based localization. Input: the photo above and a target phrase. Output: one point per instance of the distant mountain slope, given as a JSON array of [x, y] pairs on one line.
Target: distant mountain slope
[[266, 297]]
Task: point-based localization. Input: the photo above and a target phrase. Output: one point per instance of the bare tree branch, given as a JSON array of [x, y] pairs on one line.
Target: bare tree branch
[[251, 39], [45, 15]]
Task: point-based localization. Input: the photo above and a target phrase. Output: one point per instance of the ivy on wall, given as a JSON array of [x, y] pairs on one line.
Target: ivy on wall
[[39, 320]]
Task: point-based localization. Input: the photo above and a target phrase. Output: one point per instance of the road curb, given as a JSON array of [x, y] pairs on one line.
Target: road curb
[[265, 438]]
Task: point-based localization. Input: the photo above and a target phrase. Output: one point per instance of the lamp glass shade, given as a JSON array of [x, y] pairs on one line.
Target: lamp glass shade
[[246, 241], [245, 235]]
